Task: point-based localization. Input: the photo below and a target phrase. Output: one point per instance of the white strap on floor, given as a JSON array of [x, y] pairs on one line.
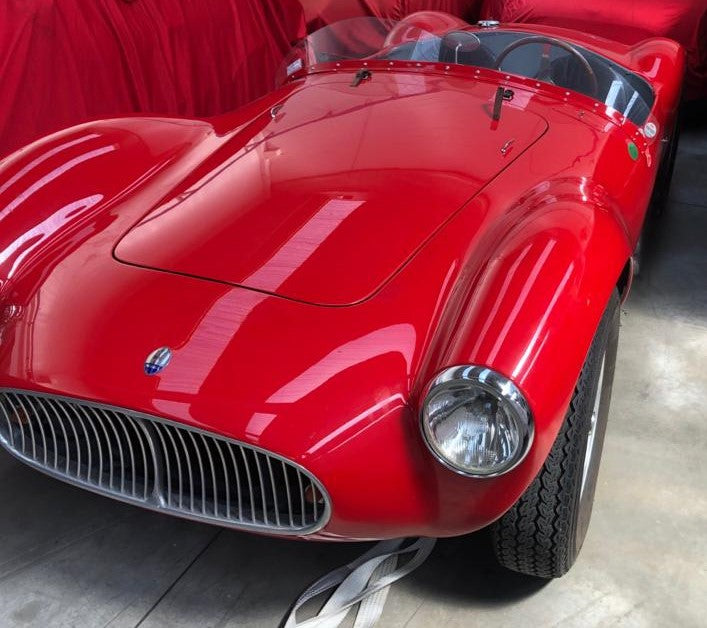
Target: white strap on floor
[[365, 581]]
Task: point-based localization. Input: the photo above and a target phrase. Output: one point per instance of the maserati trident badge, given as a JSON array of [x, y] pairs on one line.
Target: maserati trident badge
[[158, 360]]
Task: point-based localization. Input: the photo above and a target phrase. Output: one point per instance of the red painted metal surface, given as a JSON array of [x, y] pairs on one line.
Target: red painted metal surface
[[299, 236], [366, 271]]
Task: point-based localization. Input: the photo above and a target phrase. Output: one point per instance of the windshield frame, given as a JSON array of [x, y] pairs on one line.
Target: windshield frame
[[378, 60]]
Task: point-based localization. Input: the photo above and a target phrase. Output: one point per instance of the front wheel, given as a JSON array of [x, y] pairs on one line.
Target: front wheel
[[542, 534]]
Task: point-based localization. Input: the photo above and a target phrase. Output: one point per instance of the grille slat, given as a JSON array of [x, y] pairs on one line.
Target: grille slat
[[98, 449], [261, 486], [212, 468], [201, 471], [315, 501], [108, 449], [8, 432], [114, 433], [226, 483], [85, 441], [131, 453], [289, 494], [186, 458], [168, 467], [230, 447], [67, 455], [25, 419], [274, 493], [180, 476], [50, 423], [161, 465], [250, 484], [38, 431], [301, 496]]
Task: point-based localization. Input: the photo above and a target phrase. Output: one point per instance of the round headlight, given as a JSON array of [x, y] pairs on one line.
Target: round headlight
[[476, 422]]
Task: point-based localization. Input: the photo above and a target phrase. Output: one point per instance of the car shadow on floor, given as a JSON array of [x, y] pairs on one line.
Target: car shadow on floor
[[465, 569], [73, 558], [247, 580], [674, 258]]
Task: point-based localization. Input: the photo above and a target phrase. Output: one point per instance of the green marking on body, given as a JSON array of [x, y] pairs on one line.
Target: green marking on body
[[633, 151]]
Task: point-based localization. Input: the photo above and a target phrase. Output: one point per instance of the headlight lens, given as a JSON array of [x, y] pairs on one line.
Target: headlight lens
[[476, 422]]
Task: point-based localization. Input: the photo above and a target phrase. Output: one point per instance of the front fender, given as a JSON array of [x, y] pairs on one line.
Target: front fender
[[67, 180], [533, 309]]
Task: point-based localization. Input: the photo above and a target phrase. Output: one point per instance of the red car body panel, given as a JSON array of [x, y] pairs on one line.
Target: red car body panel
[[311, 328], [299, 236]]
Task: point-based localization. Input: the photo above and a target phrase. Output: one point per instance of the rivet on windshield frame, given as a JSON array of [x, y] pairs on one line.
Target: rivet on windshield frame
[[567, 93], [508, 77], [596, 104], [477, 72], [391, 63], [537, 84], [419, 65], [446, 67]]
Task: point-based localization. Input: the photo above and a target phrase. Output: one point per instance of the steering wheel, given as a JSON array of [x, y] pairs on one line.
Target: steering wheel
[[544, 74]]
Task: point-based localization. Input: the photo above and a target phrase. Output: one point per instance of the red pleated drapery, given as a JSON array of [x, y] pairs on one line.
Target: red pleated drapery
[[320, 13], [66, 61]]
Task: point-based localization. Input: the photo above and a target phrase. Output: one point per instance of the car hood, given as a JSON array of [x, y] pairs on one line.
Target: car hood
[[325, 197]]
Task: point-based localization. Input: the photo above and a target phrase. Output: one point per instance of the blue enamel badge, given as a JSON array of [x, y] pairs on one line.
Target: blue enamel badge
[[157, 360]]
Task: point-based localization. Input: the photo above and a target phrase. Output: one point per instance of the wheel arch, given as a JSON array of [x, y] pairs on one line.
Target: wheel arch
[[534, 307], [52, 187]]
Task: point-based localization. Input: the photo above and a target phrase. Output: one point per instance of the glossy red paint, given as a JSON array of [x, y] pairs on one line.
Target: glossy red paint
[[311, 276], [299, 236]]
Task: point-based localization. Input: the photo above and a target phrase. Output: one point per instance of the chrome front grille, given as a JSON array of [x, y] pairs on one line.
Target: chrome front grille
[[161, 465]]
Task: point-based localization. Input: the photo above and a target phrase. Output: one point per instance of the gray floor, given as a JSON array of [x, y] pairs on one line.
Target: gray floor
[[68, 558]]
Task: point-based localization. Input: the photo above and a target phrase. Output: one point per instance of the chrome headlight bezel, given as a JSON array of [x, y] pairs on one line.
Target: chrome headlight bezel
[[504, 390]]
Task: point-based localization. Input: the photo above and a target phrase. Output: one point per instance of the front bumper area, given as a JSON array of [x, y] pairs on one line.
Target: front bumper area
[[375, 481], [161, 465]]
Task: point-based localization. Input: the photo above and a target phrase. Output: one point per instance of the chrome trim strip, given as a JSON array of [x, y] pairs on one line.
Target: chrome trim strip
[[163, 450]]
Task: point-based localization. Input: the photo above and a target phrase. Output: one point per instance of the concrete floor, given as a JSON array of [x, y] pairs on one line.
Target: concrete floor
[[68, 558]]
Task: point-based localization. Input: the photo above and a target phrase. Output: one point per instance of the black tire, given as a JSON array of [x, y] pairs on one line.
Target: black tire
[[542, 534]]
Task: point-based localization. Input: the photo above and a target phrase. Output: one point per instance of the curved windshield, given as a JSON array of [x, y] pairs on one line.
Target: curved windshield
[[450, 41]]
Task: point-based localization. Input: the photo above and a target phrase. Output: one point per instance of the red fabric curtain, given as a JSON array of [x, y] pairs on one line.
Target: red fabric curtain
[[320, 13], [66, 61], [627, 21]]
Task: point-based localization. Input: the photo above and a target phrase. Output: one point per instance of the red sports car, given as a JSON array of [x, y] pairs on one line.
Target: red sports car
[[382, 301]]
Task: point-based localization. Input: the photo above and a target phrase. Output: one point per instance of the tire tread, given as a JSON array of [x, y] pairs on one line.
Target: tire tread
[[537, 535]]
